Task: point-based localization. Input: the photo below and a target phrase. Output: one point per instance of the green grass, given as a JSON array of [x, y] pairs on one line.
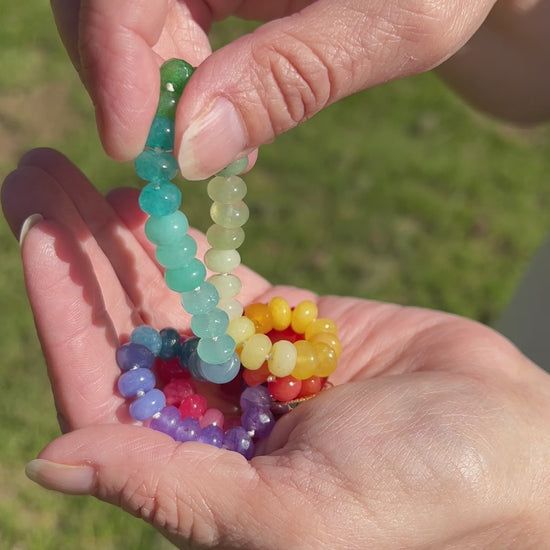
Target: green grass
[[401, 193]]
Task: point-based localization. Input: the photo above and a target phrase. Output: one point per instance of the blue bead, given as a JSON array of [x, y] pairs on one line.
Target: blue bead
[[171, 341], [148, 337], [201, 300], [167, 421], [193, 365], [174, 256], [136, 381], [187, 348], [189, 429], [156, 166], [211, 435], [167, 230], [160, 199], [238, 440], [221, 374], [147, 405], [186, 278], [235, 168], [211, 324], [161, 134], [133, 356], [216, 350]]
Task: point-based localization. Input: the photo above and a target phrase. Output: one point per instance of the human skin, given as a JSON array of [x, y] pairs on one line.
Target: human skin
[[434, 436]]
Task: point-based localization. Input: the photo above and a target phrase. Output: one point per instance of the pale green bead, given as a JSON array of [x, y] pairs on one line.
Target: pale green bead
[[227, 284], [255, 351], [229, 215], [222, 237], [237, 167], [226, 190], [222, 261], [232, 307]]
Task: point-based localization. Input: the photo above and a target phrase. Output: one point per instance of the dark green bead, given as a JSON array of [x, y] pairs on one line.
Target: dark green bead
[[168, 103], [174, 75]]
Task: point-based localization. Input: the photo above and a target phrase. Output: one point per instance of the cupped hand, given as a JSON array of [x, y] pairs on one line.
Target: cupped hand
[[310, 54], [435, 434]]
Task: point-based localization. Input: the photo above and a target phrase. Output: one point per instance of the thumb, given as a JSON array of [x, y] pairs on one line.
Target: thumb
[[269, 81]]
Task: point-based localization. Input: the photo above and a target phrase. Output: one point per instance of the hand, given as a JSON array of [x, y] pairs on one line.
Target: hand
[[310, 55], [434, 436]]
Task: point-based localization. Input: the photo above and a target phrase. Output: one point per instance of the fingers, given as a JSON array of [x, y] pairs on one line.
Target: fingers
[[267, 82]]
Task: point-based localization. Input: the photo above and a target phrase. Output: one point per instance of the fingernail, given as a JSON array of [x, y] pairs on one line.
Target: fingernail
[[214, 140], [31, 221], [71, 480]]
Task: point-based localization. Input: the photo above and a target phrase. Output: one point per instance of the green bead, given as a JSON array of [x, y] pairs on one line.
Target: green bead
[[161, 134], [186, 278], [224, 238], [174, 256], [229, 215], [226, 190], [160, 199], [168, 104], [174, 75], [166, 230], [235, 168]]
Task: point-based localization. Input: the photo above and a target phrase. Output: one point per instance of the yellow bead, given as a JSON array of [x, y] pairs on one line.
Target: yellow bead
[[241, 329], [329, 339], [282, 358], [280, 313], [326, 359], [261, 317], [303, 315], [306, 360], [321, 325], [255, 351]]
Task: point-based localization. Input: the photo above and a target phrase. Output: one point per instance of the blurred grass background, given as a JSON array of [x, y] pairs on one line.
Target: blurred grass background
[[401, 193]]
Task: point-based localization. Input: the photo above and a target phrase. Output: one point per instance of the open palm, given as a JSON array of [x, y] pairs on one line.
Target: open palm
[[435, 434]]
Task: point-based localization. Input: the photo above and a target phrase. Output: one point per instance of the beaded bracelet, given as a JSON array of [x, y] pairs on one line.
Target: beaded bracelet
[[278, 356]]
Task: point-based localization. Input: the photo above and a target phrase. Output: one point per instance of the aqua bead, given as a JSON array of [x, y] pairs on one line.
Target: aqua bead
[[216, 350], [161, 134], [186, 278], [174, 75], [147, 336], [235, 168], [222, 373], [160, 199], [224, 238], [156, 166], [211, 324], [168, 104], [201, 300], [226, 190], [176, 255], [229, 215], [167, 230]]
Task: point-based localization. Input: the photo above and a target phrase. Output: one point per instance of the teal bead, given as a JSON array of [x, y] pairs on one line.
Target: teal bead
[[216, 350], [161, 134], [186, 278], [174, 256], [221, 373], [156, 166], [174, 75], [211, 324], [160, 199], [168, 104], [235, 168], [166, 230], [201, 300]]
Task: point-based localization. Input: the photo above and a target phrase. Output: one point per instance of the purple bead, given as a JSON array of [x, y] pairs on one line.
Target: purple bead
[[136, 381], [238, 440], [147, 405], [133, 356], [171, 341], [167, 422], [188, 429], [211, 435], [256, 396], [258, 420]]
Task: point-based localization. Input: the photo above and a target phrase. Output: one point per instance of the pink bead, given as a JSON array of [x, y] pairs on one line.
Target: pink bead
[[212, 417], [177, 390], [193, 406]]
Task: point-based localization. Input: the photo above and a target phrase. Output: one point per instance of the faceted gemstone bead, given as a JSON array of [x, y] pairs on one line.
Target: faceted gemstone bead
[[282, 359], [330, 339], [211, 435], [232, 307], [258, 420], [284, 389], [156, 166], [241, 329], [188, 429], [211, 324], [254, 378], [174, 75], [227, 284], [168, 104], [133, 356], [222, 261], [178, 254], [223, 373], [167, 421], [166, 371], [303, 315], [212, 417], [161, 134], [200, 300], [260, 315], [321, 325], [226, 190], [281, 313], [170, 343], [193, 406], [224, 238], [229, 215], [257, 396], [136, 382], [306, 360], [236, 167], [186, 278], [311, 386], [187, 348], [147, 405], [177, 390], [238, 440], [194, 367], [160, 199], [216, 350], [166, 230], [327, 359], [255, 351], [148, 337]]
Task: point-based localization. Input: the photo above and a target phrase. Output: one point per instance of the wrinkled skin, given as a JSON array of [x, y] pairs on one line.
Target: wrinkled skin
[[434, 436]]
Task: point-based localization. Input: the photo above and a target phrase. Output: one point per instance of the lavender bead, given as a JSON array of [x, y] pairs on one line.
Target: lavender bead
[[238, 440], [135, 382], [133, 356], [258, 420], [147, 405], [167, 422], [188, 429], [256, 396], [211, 435]]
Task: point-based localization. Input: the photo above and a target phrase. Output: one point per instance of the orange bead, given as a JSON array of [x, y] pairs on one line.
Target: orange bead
[[260, 315], [256, 377], [303, 315], [326, 359], [306, 360], [329, 339]]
